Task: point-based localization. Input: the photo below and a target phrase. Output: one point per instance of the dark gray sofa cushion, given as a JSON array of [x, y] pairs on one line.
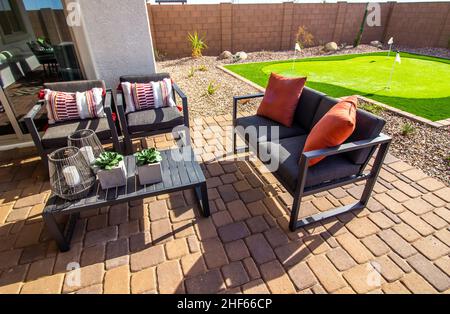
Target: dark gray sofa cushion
[[56, 135], [154, 119], [331, 168], [144, 78], [264, 136], [75, 86], [307, 108], [368, 126]]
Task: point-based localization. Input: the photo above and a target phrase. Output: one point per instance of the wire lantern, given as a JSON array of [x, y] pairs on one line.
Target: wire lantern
[[88, 143], [71, 177]]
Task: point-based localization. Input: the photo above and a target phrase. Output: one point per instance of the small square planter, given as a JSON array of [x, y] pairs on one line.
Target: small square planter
[[113, 178], [150, 174]]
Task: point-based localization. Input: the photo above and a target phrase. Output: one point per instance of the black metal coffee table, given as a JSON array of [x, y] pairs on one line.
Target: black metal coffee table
[[177, 176]]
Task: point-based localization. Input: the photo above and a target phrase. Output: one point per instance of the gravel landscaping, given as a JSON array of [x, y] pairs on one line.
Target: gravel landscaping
[[427, 148]]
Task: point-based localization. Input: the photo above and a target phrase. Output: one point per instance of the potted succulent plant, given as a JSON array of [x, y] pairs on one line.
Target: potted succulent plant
[[148, 162], [111, 170]]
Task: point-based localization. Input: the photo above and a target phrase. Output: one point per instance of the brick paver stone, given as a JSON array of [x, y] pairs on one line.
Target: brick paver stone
[[260, 249], [143, 281], [228, 193], [117, 280], [89, 276], [417, 284], [293, 253], [388, 269], [158, 210], [147, 258], [443, 194], [208, 283], [417, 223], [400, 246], [340, 259], [302, 276], [418, 206], [375, 245], [381, 220], [431, 273], [431, 248], [238, 210], [431, 184], [362, 227], [353, 247], [237, 250], [170, 278], [176, 249], [326, 273], [255, 287], [363, 278], [104, 235], [394, 288], [276, 278], [406, 232], [235, 274], [233, 232], [44, 285], [251, 268], [193, 265]]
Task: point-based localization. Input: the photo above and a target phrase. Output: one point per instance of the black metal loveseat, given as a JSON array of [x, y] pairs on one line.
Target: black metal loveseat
[[344, 165]]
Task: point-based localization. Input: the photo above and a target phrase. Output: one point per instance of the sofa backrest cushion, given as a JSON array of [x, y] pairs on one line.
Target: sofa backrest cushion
[[75, 86], [144, 78], [307, 108], [368, 126]]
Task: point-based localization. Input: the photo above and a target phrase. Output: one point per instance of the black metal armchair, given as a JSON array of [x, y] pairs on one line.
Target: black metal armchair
[[55, 136], [152, 121], [344, 165]]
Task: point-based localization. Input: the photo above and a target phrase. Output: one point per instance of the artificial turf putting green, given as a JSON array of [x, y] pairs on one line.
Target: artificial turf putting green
[[420, 85]]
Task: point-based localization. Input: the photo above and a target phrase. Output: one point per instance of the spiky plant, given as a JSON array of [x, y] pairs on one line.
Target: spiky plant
[[408, 129], [148, 157], [108, 160], [212, 89], [197, 43]]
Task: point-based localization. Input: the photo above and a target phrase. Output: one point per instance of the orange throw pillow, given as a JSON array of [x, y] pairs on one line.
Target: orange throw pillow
[[281, 99], [334, 128]]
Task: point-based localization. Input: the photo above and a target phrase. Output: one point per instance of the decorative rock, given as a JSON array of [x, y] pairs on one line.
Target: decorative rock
[[331, 46], [241, 56], [376, 44], [225, 55]]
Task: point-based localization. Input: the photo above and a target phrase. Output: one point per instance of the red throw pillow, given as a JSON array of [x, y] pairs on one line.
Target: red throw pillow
[[281, 99], [334, 128]]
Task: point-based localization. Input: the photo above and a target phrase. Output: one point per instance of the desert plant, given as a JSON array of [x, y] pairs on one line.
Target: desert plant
[[358, 38], [159, 55], [408, 129], [191, 72], [212, 89], [304, 38], [202, 68], [197, 43], [108, 160], [148, 157]]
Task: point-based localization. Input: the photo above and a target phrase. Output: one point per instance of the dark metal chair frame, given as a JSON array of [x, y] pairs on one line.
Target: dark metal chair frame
[[382, 142], [129, 136], [108, 103]]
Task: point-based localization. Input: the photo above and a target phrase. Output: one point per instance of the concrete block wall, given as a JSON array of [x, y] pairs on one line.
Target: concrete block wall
[[255, 27]]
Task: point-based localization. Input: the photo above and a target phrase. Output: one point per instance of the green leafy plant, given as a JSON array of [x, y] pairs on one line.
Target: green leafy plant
[[191, 72], [408, 129], [148, 157], [304, 38], [212, 89], [108, 160], [359, 36], [371, 107], [202, 68], [198, 44]]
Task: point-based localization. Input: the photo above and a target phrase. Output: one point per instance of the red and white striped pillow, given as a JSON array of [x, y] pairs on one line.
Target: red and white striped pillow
[[62, 106], [143, 96]]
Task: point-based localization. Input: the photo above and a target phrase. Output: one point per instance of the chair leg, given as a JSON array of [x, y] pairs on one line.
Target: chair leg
[[128, 145], [234, 142], [295, 212]]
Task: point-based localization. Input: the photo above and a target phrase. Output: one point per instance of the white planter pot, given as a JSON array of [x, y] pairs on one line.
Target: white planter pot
[[113, 178], [150, 174]]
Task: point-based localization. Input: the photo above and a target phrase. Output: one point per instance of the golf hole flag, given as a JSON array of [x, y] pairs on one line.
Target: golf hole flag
[[297, 47], [398, 59]]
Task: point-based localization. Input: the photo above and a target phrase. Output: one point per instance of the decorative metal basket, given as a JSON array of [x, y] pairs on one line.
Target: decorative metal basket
[[71, 177], [88, 143]]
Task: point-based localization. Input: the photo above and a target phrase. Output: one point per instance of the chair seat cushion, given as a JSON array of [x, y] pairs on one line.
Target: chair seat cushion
[[154, 119], [56, 135], [265, 135], [287, 160]]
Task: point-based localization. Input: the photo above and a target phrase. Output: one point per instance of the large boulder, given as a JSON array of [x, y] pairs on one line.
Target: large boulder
[[225, 55], [331, 46], [376, 44], [241, 56]]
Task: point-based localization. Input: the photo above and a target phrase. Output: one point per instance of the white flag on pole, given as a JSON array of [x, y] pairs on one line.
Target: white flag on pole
[[391, 41], [398, 59], [297, 47]]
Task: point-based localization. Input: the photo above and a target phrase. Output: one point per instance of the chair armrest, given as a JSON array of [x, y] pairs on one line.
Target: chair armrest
[[121, 112], [107, 101], [245, 97], [348, 147], [184, 99], [35, 110]]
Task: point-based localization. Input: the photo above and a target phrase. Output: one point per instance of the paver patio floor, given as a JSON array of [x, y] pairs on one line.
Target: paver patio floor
[[399, 244]]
